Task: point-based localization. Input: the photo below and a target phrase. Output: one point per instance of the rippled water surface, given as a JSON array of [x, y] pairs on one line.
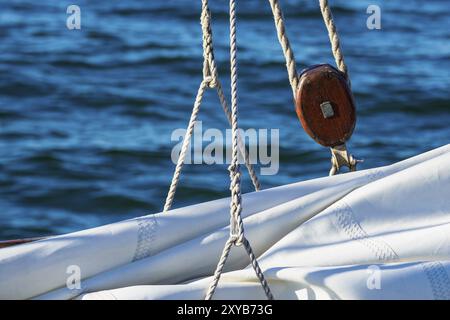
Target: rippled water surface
[[86, 115]]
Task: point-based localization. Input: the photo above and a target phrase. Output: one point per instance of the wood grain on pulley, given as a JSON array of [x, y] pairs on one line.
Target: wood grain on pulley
[[325, 106]]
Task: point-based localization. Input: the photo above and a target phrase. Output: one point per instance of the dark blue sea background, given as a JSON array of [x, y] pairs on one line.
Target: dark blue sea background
[[86, 115]]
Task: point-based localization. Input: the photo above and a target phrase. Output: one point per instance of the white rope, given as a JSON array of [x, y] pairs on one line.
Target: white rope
[[340, 157], [185, 145], [209, 68], [210, 80], [237, 236], [292, 71], [333, 35], [287, 50], [285, 45]]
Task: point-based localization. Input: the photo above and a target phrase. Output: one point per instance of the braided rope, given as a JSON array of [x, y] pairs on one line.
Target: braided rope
[[287, 50], [210, 80], [219, 269], [290, 61], [333, 35], [258, 270], [285, 45], [235, 173], [185, 145], [242, 148], [237, 236], [209, 68]]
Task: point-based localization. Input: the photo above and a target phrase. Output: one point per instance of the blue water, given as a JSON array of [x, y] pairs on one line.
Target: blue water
[[86, 115]]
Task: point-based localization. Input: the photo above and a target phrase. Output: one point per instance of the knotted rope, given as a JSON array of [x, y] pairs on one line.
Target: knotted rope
[[210, 80], [237, 236]]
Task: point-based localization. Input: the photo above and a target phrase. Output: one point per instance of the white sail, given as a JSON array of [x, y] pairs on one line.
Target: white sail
[[319, 239]]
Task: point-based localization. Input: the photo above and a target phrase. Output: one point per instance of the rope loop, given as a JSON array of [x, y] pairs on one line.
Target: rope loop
[[232, 168], [210, 82], [341, 158], [209, 68], [236, 239]]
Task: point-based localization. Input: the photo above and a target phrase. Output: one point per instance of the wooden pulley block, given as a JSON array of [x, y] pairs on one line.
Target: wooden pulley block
[[325, 106]]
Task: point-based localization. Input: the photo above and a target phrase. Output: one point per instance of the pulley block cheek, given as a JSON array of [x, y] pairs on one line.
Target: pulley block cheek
[[325, 106]]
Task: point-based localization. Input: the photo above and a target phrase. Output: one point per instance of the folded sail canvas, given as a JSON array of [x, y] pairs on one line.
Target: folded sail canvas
[[382, 233]]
